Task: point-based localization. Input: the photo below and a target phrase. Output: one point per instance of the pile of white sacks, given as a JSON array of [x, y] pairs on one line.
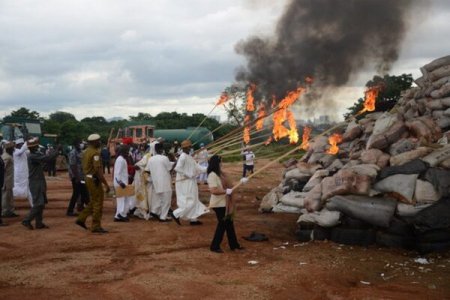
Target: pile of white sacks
[[390, 181]]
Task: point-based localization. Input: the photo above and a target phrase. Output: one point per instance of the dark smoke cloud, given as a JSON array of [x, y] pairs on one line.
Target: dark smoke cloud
[[327, 39]]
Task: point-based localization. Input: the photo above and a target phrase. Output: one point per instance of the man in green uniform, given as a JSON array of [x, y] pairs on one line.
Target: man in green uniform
[[93, 170]]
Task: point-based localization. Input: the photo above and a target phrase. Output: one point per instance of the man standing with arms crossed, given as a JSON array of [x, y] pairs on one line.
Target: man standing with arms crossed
[[93, 170]]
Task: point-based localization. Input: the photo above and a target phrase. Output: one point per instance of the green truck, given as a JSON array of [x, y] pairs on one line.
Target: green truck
[[13, 128]]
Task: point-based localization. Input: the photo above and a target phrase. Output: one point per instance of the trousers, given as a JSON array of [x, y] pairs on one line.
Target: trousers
[[161, 204], [222, 227], [36, 212], [95, 206], [7, 202], [78, 191]]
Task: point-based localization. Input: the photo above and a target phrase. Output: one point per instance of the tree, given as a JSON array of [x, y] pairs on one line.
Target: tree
[[390, 90], [61, 117], [235, 106], [25, 113], [141, 117]]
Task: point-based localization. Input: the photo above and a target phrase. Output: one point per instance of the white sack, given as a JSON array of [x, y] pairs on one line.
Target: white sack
[[399, 185]]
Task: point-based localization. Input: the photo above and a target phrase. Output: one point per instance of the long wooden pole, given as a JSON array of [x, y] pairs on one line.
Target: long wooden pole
[[204, 119]]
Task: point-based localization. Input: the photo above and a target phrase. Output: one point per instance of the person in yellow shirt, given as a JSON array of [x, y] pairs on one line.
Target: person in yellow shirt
[[218, 202]]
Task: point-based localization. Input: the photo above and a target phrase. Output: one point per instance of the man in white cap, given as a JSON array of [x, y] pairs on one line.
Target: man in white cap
[[189, 205], [202, 159], [93, 170], [21, 183]]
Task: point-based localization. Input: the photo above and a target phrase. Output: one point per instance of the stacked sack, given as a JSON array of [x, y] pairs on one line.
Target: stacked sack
[[390, 181]]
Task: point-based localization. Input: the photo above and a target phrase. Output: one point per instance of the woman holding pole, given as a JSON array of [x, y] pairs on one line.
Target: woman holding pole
[[221, 203]]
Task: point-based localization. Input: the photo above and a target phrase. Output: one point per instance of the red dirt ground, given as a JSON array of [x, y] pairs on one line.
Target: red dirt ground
[[151, 260]]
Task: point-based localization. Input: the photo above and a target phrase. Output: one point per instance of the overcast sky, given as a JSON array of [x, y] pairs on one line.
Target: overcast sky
[[118, 58]]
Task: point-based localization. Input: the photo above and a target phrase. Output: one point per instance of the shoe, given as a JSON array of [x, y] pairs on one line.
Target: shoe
[[118, 220], [154, 216], [165, 220], [71, 214], [218, 250], [238, 248], [27, 225], [81, 224], [175, 218], [99, 230], [11, 215], [42, 226], [194, 223]]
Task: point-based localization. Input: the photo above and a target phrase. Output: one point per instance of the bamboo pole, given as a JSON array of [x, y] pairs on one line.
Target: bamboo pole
[[285, 155], [204, 119], [215, 129]]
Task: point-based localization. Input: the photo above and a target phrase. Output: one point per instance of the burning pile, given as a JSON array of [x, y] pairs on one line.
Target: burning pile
[[385, 180]]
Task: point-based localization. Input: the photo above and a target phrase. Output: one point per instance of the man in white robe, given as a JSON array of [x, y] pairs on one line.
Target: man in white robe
[[189, 206], [21, 183], [160, 167], [120, 182]]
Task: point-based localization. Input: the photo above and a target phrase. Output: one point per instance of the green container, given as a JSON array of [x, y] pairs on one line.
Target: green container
[[201, 135]]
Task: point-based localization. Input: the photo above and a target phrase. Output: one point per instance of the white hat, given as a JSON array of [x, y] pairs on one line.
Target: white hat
[[93, 137], [19, 141]]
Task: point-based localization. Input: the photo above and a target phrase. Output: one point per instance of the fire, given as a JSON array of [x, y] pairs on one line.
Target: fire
[[293, 134], [305, 138], [269, 140], [250, 99], [370, 97], [279, 131], [261, 115], [223, 98], [246, 134], [333, 140], [291, 97]]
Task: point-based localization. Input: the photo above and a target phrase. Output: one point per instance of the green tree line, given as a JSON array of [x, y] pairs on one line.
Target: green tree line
[[68, 128]]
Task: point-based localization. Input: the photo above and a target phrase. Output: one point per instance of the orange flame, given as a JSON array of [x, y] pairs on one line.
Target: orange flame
[[370, 96], [246, 134], [261, 115], [250, 99], [293, 134], [290, 98], [305, 138], [223, 98], [269, 140], [333, 140], [279, 131]]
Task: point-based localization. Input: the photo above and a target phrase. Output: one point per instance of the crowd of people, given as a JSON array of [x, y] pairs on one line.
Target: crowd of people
[[142, 177]]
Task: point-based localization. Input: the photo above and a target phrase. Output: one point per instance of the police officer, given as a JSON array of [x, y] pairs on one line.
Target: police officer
[[92, 168]]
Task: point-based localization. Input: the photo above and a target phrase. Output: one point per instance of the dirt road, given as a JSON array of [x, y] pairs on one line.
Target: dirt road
[[152, 260]]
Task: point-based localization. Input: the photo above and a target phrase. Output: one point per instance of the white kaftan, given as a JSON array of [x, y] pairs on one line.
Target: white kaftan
[[21, 184], [121, 175], [159, 167], [143, 189], [189, 206]]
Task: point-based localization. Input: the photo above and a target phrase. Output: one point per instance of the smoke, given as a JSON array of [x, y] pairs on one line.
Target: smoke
[[330, 40]]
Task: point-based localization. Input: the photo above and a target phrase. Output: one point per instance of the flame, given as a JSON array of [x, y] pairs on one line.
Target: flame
[[291, 97], [305, 138], [309, 80], [223, 98], [246, 134], [370, 96], [279, 131], [293, 134], [261, 115], [269, 140], [333, 140], [250, 99]]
